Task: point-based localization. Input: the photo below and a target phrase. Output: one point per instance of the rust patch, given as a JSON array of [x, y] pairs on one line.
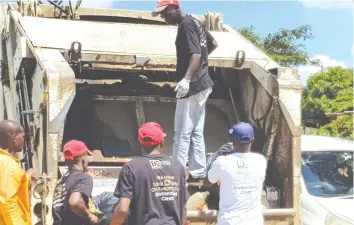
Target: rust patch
[[102, 172]]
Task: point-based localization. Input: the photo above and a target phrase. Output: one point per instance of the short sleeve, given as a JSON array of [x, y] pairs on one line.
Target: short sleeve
[[209, 37], [189, 31], [125, 184], [214, 172], [84, 185], [210, 40]]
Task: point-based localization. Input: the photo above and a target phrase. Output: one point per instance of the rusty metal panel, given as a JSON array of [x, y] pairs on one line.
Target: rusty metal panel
[[61, 86], [122, 125], [82, 11], [119, 38], [290, 90]]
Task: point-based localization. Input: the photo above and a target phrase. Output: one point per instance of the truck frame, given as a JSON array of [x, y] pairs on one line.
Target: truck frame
[[56, 61]]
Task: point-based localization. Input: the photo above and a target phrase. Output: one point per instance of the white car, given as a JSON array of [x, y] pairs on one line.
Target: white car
[[327, 180]]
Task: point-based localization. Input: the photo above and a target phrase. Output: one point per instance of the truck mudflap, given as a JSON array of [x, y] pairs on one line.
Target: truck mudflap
[[271, 217]]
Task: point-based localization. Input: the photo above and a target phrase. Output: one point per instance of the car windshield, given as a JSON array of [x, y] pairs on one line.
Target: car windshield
[[328, 173]]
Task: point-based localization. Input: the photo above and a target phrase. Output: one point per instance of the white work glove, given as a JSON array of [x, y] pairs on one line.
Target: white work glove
[[182, 88]]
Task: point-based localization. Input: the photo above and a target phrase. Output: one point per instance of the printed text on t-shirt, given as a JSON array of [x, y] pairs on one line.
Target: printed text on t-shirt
[[166, 188]]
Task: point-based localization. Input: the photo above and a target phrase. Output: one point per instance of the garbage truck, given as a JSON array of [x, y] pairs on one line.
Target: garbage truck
[[96, 75]]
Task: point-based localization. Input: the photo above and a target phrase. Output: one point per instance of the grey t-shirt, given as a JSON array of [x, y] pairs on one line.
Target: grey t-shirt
[[192, 38], [72, 181], [156, 185]]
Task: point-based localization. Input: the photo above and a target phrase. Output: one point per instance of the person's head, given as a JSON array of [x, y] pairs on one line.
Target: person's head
[[342, 170], [151, 138], [11, 136], [168, 10], [75, 154], [242, 135]]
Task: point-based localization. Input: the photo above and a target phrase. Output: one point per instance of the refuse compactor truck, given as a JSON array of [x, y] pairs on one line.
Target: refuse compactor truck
[[97, 74]]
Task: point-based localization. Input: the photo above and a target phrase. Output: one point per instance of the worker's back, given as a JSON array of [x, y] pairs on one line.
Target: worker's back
[[14, 188], [159, 188], [242, 176]]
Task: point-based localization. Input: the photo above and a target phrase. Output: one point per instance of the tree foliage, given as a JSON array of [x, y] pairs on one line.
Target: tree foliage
[[341, 127], [285, 46], [330, 91]]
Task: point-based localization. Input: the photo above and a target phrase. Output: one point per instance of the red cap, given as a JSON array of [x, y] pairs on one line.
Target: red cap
[[151, 134], [162, 4], [75, 148]]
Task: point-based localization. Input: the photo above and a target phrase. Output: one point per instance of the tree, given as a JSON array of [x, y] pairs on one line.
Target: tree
[[341, 127], [330, 91], [285, 46]]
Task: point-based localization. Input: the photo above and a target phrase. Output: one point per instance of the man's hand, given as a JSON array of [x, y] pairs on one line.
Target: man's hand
[[31, 173], [93, 219], [182, 88]]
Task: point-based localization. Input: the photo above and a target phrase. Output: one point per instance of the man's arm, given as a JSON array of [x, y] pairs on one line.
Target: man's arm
[[80, 195], [190, 33], [212, 44], [121, 211], [125, 192], [78, 206], [194, 64], [213, 174], [184, 217]]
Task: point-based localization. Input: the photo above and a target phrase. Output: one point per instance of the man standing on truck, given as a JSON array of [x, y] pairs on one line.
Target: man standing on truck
[[152, 186], [193, 45], [14, 182], [241, 176], [72, 195]]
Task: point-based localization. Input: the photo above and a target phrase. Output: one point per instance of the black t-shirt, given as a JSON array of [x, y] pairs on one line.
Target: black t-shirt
[[156, 185], [192, 38], [72, 181]]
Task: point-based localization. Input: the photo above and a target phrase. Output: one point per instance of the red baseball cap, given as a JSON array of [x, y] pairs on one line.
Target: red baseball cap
[[151, 134], [75, 148], [162, 4]]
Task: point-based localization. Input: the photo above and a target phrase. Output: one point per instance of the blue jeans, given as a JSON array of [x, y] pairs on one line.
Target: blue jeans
[[189, 138]]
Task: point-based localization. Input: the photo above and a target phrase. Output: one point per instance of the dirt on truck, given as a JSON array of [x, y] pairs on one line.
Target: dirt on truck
[[96, 75]]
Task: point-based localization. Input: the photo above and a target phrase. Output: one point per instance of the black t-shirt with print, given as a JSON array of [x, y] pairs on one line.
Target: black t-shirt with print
[[156, 185], [192, 38], [72, 181]]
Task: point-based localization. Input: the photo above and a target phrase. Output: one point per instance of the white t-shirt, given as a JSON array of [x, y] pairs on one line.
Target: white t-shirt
[[241, 176]]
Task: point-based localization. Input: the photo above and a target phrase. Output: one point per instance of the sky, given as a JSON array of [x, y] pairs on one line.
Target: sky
[[331, 20]]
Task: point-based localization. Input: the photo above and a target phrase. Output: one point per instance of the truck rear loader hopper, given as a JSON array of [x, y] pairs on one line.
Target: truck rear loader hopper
[[100, 74]]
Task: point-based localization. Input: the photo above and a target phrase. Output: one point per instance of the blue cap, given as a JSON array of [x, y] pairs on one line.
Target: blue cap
[[242, 133]]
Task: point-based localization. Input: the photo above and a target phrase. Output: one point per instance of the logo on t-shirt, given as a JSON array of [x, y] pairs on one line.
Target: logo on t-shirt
[[202, 36], [242, 164], [158, 164], [60, 193]]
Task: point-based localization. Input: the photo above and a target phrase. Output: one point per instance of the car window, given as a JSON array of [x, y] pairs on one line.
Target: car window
[[328, 173]]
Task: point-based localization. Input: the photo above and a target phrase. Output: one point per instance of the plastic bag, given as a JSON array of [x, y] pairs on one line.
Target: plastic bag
[[213, 199], [223, 150], [106, 203]]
